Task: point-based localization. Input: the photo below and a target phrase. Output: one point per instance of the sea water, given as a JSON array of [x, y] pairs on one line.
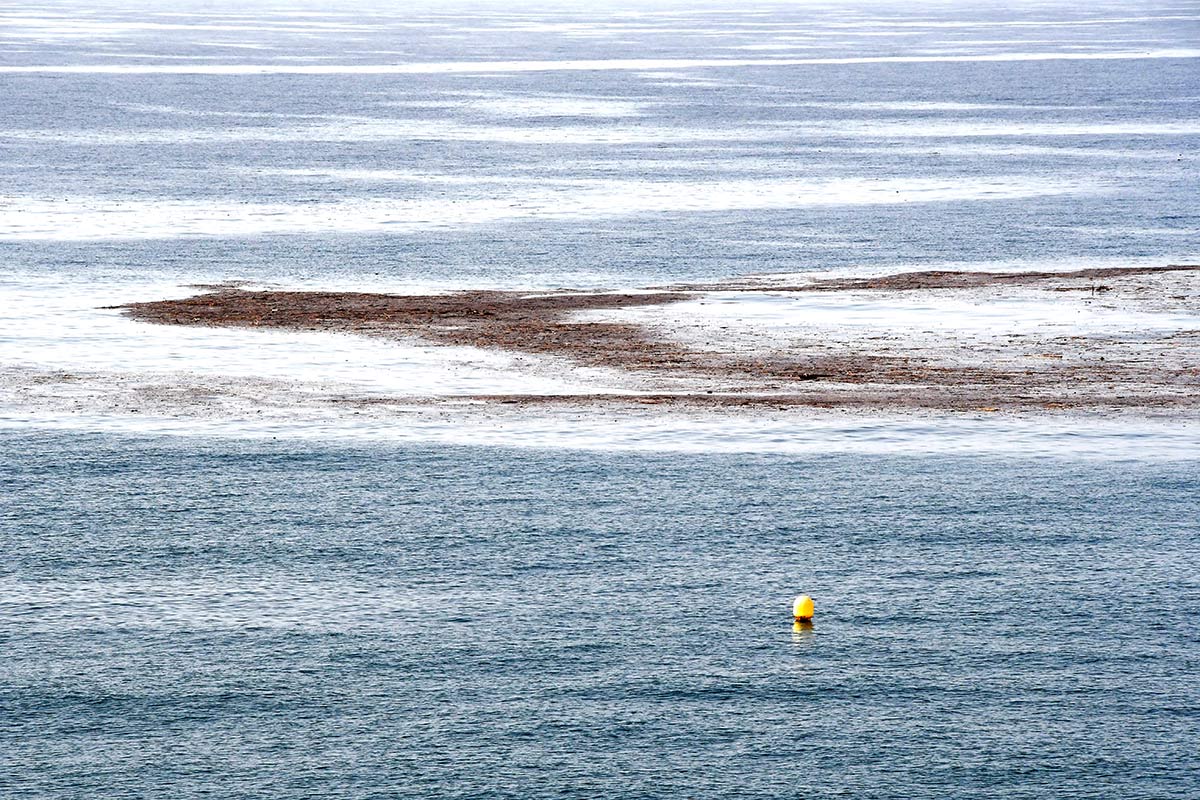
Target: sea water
[[272, 600], [188, 618], [150, 149]]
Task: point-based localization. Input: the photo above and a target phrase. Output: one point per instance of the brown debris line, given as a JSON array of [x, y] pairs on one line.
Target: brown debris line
[[506, 320], [851, 376], [951, 279], [966, 398], [530, 323], [934, 279]]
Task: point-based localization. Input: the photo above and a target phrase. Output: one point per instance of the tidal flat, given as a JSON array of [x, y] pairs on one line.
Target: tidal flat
[[1109, 338]]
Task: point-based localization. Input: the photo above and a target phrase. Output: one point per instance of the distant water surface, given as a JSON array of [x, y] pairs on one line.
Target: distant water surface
[[439, 146], [534, 144]]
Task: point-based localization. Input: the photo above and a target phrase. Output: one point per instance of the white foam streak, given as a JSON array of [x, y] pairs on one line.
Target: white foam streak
[[812, 431], [66, 27], [556, 107], [916, 318], [933, 129], [585, 65], [365, 129], [49, 327], [107, 217]]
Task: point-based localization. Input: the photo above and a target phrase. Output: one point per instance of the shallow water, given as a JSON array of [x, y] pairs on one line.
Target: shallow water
[[440, 147], [183, 616]]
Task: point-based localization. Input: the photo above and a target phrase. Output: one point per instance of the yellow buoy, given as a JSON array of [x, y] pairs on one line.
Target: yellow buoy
[[802, 608]]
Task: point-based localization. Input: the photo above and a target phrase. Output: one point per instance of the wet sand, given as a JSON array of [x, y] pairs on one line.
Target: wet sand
[[634, 333]]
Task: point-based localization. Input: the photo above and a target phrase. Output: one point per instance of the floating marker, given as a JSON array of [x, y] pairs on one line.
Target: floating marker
[[802, 608]]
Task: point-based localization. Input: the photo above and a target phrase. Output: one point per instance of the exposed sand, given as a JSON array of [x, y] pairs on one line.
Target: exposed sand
[[1138, 347]]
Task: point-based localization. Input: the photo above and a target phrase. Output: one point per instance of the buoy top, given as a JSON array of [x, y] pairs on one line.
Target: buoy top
[[802, 607]]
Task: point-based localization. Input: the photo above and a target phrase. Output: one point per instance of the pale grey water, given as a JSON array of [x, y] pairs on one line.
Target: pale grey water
[[1117, 137], [239, 618]]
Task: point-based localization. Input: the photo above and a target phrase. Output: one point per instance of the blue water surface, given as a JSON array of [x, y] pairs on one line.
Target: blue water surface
[[188, 617]]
